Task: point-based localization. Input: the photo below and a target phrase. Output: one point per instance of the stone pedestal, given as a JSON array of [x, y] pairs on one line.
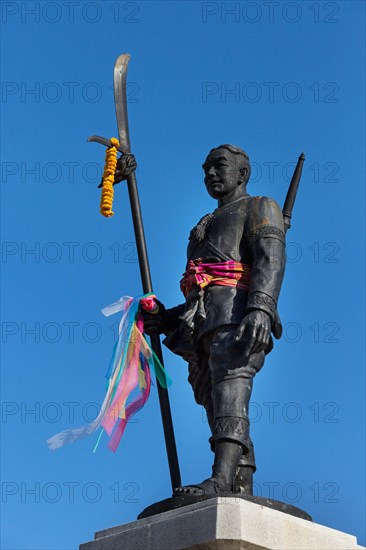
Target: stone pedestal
[[222, 524]]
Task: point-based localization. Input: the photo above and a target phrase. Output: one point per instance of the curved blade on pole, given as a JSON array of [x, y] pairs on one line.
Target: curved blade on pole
[[120, 99], [104, 141]]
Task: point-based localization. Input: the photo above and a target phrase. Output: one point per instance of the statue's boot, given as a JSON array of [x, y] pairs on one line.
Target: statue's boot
[[227, 454], [243, 481]]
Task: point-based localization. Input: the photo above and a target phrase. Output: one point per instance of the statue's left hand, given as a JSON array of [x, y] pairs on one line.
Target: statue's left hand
[[255, 332]]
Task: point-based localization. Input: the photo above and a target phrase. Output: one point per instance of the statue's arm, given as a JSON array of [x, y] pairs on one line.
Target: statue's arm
[[165, 321], [265, 237], [172, 318]]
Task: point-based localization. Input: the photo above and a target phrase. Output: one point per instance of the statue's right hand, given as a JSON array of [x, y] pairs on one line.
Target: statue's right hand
[[154, 323], [125, 165]]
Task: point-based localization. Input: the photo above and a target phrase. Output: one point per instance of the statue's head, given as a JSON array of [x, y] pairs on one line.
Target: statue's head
[[226, 167]]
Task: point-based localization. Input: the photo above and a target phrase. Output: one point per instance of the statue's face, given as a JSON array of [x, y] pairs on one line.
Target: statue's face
[[221, 173]]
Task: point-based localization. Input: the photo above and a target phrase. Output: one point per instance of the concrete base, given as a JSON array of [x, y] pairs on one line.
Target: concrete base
[[222, 524]]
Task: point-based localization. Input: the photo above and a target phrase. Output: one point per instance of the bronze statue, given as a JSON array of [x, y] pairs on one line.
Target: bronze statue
[[235, 266]]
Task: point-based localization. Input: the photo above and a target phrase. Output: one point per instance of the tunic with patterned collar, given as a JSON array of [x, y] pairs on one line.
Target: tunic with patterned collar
[[248, 230]]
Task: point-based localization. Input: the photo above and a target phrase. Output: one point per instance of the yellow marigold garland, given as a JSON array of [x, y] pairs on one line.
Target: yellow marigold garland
[[106, 200]]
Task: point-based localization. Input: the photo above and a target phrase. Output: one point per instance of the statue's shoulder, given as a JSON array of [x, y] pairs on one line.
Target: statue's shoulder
[[264, 211]]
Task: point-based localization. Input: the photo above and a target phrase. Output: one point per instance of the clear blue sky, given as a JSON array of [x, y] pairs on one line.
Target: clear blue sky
[[274, 78]]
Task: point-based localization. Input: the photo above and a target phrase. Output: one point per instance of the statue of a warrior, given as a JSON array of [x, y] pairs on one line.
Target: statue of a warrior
[[235, 267]]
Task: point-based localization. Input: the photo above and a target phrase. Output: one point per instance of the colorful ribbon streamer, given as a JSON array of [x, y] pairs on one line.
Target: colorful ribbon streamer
[[129, 369]]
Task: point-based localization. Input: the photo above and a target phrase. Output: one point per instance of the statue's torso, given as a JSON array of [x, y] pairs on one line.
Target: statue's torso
[[223, 237], [246, 227]]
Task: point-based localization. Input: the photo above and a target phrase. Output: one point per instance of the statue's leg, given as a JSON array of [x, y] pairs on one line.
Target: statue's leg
[[243, 482], [199, 376], [226, 410], [223, 470], [230, 433], [232, 388]]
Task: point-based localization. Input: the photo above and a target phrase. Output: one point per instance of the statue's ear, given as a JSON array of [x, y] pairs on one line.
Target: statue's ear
[[243, 174]]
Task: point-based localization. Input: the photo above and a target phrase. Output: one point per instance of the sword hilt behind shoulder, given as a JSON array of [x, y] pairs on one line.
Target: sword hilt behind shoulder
[[291, 193]]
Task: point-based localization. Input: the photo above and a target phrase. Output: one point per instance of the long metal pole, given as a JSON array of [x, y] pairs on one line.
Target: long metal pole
[[120, 83], [166, 415]]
